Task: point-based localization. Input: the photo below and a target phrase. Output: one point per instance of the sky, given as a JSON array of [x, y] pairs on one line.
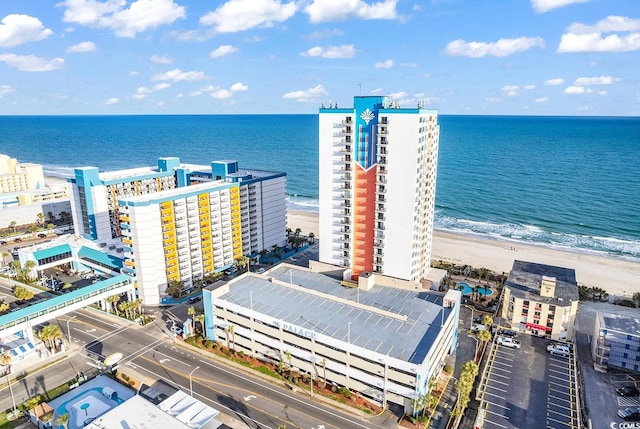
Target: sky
[[473, 57]]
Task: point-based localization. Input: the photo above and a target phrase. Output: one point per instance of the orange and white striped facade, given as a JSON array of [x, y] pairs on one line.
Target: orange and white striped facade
[[377, 166]]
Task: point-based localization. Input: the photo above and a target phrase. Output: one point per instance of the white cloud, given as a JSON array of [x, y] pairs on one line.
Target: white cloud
[[335, 10], [529, 87], [493, 99], [542, 6], [324, 34], [542, 100], [112, 100], [221, 94], [134, 73], [603, 92], [384, 64], [375, 91], [143, 91], [17, 29], [83, 47], [222, 51], [5, 89], [31, 63], [160, 59], [612, 34], [239, 86], [598, 80], [582, 108], [308, 95], [141, 15], [332, 52], [501, 48], [510, 90], [576, 90], [241, 15], [554, 82], [177, 75], [398, 95]]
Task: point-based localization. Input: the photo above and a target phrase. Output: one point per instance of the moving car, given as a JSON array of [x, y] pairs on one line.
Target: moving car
[[194, 299], [508, 342], [631, 413], [559, 349], [628, 391]]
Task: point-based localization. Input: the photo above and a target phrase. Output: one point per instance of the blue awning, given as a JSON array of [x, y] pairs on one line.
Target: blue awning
[[51, 251], [101, 257]]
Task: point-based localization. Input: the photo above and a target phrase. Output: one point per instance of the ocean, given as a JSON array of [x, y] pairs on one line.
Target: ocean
[[571, 183]]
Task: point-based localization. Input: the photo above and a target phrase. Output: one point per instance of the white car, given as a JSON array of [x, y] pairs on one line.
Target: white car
[[293, 259], [559, 349], [260, 270], [176, 330], [508, 342]]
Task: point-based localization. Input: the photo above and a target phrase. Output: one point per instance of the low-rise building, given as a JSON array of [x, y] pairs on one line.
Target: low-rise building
[[541, 299], [616, 339], [385, 343], [16, 176]]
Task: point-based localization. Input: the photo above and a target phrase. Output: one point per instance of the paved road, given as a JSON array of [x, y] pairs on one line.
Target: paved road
[[151, 353]]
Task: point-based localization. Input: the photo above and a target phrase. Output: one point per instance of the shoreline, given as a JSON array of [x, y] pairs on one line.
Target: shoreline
[[617, 276]]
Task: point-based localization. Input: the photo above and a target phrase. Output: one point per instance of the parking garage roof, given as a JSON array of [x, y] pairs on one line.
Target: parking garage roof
[[386, 332]]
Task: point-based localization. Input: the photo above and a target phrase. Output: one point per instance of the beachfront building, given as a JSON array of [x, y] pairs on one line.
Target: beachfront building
[[385, 343], [541, 300], [15, 176], [187, 233], [616, 338], [377, 168]]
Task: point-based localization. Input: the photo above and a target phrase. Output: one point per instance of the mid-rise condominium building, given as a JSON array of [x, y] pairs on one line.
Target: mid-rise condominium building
[[377, 167], [15, 176], [616, 338], [179, 223], [541, 299]]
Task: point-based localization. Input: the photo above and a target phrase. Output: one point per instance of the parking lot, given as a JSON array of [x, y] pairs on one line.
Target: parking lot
[[528, 388]]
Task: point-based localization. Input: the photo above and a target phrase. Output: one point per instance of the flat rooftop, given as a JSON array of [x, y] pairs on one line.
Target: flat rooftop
[[525, 281], [624, 320], [406, 331]]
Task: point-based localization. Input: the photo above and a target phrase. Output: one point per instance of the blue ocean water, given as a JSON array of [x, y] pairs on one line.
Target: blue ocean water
[[564, 182]]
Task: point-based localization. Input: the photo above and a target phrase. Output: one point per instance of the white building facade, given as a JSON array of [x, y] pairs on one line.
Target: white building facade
[[378, 165]]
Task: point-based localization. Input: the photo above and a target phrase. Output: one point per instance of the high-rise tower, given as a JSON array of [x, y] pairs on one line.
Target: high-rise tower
[[378, 165]]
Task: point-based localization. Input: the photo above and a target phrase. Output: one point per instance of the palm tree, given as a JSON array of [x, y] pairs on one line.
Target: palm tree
[[5, 361], [4, 307], [230, 333], [40, 218], [200, 319], [12, 226], [298, 231], [22, 293], [50, 334], [323, 364], [63, 420], [287, 354], [33, 229], [4, 255], [113, 301], [312, 237], [51, 218], [28, 268]]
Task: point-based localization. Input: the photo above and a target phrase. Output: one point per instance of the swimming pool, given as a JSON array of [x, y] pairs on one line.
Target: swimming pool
[[87, 406], [467, 290]]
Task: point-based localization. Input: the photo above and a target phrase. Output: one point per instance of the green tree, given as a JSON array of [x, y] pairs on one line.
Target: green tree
[[200, 319], [298, 231], [4, 255], [191, 311], [113, 302], [22, 293], [287, 354], [50, 334], [4, 307], [12, 226], [487, 320], [323, 364], [174, 289], [51, 218], [50, 227], [33, 229], [40, 218], [312, 237]]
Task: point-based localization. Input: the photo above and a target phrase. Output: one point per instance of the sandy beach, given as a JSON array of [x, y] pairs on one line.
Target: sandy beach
[[618, 277]]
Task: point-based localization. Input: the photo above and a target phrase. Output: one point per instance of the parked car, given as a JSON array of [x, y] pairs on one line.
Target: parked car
[[3, 242], [559, 349], [194, 299], [632, 414], [176, 330], [260, 270], [628, 391], [478, 328], [42, 235], [17, 240], [293, 259], [508, 333], [508, 342]]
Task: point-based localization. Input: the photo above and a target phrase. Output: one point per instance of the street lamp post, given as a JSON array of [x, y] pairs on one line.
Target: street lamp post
[[69, 330], [191, 380], [13, 400], [475, 355]]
